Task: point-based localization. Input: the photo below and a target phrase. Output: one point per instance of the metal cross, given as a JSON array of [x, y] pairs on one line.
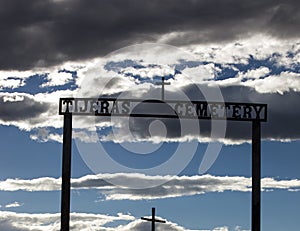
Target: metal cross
[[153, 220], [163, 83]]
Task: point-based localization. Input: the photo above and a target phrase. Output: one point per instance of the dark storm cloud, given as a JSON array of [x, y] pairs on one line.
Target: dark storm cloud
[[283, 113], [21, 109], [283, 116], [44, 33]]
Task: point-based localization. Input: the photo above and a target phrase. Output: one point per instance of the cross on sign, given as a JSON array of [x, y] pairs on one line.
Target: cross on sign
[[163, 83], [153, 220]]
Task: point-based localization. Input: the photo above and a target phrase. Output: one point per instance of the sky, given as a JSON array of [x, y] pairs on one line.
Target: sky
[[197, 174]]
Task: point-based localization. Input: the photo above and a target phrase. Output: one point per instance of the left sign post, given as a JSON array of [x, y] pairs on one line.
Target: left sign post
[[66, 169]]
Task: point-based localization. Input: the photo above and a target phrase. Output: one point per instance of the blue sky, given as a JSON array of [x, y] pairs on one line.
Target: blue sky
[[201, 61]]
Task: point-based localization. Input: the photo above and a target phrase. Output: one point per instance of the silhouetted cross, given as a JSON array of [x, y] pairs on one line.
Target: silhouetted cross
[[163, 83], [153, 220]]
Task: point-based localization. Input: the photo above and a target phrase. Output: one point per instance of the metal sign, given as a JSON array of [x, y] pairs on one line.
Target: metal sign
[[256, 113], [163, 109]]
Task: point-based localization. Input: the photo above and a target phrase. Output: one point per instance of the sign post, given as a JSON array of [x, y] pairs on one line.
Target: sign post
[[255, 113], [256, 175], [66, 169]]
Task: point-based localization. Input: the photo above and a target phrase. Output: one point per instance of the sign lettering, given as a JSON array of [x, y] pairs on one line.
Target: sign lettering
[[163, 109]]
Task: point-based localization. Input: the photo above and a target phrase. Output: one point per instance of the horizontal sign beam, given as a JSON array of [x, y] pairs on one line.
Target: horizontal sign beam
[[163, 109]]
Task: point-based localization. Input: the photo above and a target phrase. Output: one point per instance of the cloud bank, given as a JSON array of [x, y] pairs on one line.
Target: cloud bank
[[258, 67], [11, 221], [39, 34], [270, 75], [175, 186]]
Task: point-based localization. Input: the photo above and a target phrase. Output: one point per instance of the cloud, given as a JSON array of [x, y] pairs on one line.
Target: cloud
[[281, 99], [13, 205], [11, 221], [281, 107], [38, 184], [53, 76], [168, 226], [42, 33], [175, 186], [44, 135], [282, 83], [255, 69], [20, 107], [13, 79], [31, 111], [260, 47], [239, 228], [256, 73], [11, 83], [57, 79], [245, 71], [27, 111], [194, 185]]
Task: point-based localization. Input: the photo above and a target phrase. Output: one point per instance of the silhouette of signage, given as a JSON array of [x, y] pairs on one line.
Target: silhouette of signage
[[256, 113], [163, 109]]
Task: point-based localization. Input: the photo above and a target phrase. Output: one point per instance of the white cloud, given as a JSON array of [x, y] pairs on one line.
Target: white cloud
[[15, 79], [255, 73], [239, 228], [55, 77], [38, 184], [149, 71], [13, 205], [284, 82], [168, 226], [12, 98], [85, 136], [262, 82], [58, 79], [10, 221], [259, 46], [175, 186], [11, 83], [16, 74], [197, 74], [44, 135]]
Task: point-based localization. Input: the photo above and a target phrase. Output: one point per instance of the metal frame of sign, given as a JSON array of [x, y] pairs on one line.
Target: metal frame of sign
[[103, 106]]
